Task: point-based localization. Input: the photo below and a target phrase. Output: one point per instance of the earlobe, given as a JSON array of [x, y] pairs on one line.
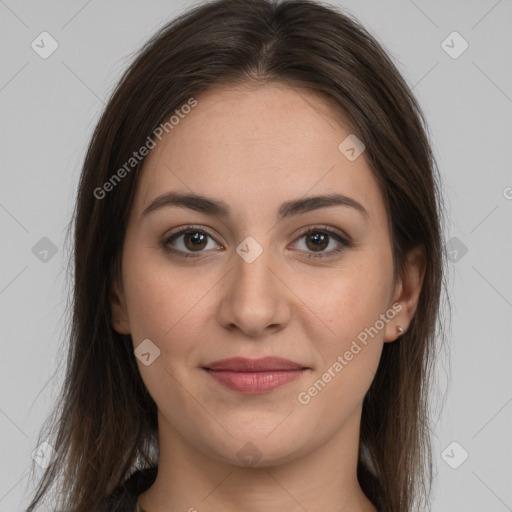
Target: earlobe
[[407, 293], [118, 308]]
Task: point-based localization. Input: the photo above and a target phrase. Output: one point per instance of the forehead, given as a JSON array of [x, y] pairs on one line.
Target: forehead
[[254, 145]]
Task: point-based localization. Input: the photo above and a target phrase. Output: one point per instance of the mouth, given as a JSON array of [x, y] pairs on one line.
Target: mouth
[[254, 376]]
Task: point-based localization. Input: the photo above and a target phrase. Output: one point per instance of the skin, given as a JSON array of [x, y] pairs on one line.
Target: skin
[[255, 147]]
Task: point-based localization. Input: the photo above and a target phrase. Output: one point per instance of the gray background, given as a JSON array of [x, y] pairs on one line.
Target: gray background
[[49, 108]]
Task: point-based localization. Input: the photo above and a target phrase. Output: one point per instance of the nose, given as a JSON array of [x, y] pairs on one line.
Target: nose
[[254, 299]]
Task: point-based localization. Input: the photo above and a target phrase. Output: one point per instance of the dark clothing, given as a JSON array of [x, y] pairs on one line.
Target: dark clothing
[[124, 498]]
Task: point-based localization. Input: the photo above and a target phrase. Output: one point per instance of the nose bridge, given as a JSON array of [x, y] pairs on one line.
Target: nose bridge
[[251, 276], [254, 298]]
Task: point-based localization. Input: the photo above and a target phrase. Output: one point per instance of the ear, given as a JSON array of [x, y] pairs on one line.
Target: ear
[[120, 321], [406, 293]]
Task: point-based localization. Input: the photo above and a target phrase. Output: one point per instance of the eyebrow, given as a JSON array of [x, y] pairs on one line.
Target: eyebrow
[[221, 209]]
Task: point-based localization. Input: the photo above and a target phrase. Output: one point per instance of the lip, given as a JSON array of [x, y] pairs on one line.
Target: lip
[[264, 364], [253, 376]]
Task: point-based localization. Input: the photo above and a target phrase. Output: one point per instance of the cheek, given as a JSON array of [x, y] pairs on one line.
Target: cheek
[[348, 356], [350, 298], [350, 305], [159, 294], [164, 306]]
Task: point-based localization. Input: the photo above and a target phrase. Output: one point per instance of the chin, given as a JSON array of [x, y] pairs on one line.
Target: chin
[[258, 452]]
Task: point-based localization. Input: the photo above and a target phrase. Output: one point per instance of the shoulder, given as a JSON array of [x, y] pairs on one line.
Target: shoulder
[[124, 498]]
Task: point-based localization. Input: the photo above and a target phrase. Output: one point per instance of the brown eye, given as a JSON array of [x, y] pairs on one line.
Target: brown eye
[[188, 241], [317, 241], [195, 241]]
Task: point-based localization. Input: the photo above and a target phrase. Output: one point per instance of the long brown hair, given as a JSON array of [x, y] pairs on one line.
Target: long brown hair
[[105, 422]]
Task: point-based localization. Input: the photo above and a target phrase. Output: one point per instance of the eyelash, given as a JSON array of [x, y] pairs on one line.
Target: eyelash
[[344, 242]]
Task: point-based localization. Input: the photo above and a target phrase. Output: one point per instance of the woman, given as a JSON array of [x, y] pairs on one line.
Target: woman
[[258, 269]]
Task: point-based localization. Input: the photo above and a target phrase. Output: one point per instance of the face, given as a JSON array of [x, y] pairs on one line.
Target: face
[[242, 276]]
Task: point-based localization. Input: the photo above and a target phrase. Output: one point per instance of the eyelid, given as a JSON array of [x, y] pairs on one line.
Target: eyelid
[[325, 228]]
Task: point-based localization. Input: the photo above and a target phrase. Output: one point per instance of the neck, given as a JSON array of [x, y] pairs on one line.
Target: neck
[[323, 479]]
